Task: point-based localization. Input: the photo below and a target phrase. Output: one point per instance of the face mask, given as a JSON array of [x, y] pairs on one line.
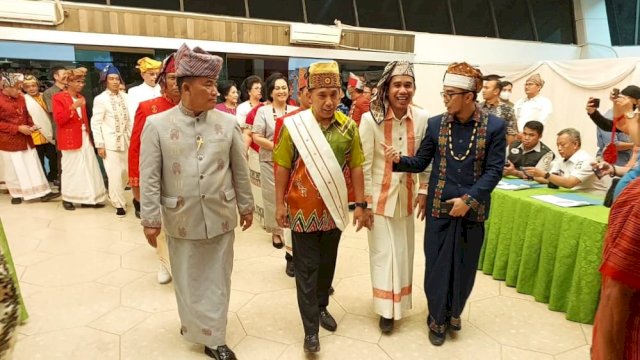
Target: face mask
[[348, 95], [505, 95]]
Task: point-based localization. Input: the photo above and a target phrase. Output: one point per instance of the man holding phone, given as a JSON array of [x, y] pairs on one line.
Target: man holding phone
[[529, 151], [623, 144]]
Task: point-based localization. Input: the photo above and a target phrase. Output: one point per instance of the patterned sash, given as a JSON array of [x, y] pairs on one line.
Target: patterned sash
[[322, 165]]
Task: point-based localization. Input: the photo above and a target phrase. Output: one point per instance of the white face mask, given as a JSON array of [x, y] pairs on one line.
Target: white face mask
[[505, 95]]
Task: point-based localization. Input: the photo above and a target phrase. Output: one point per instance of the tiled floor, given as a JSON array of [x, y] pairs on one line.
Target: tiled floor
[[88, 279]]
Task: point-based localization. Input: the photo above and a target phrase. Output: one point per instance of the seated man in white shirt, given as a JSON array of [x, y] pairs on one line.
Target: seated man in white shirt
[[572, 170], [534, 106]]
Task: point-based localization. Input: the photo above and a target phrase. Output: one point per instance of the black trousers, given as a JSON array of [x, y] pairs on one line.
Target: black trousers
[[315, 265], [452, 249], [49, 151]]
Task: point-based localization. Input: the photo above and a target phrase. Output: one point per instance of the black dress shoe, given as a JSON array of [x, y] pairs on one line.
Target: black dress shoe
[[16, 201], [94, 206], [311, 343], [326, 320], [221, 353], [276, 245], [289, 270], [50, 196], [386, 325], [331, 290], [138, 214], [437, 333], [68, 206], [120, 212], [436, 338], [455, 324]]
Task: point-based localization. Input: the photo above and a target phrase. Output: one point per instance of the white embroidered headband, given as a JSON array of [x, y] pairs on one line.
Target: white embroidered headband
[[460, 81]]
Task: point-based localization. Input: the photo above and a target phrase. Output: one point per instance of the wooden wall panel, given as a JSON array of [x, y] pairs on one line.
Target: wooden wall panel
[[108, 20]]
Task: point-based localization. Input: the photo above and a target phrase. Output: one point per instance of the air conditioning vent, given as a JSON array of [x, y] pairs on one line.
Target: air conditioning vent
[[41, 12], [309, 34]]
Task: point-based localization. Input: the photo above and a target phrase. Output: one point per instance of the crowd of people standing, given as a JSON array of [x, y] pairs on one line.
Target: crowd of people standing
[[201, 156]]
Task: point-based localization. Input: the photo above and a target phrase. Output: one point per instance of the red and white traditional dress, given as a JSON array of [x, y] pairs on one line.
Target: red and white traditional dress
[[22, 172], [81, 176], [392, 196]]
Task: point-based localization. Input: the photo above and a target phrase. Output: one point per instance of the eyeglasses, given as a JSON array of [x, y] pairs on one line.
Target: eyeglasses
[[446, 95]]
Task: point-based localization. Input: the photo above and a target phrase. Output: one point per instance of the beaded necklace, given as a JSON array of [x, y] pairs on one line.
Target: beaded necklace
[[473, 136]]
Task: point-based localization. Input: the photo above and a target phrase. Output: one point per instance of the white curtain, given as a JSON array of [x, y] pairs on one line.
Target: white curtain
[[568, 84]]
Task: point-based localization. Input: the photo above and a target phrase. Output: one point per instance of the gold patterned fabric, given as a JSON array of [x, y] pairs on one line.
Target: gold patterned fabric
[[145, 64], [76, 74], [324, 75]]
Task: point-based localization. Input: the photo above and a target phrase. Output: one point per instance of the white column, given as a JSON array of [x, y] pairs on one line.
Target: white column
[[592, 29]]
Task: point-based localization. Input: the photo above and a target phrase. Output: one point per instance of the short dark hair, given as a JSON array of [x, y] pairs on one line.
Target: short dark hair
[[182, 80], [54, 70], [535, 125], [271, 83], [492, 77], [505, 83], [495, 78], [225, 87], [247, 84]]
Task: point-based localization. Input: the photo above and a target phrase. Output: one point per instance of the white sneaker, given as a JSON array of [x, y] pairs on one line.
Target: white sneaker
[[163, 275]]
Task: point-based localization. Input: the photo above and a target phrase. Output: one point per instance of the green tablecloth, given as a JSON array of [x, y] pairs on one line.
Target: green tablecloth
[[4, 247], [547, 251]]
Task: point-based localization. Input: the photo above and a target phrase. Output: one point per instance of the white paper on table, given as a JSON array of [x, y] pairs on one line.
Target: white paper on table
[[506, 186], [558, 201]]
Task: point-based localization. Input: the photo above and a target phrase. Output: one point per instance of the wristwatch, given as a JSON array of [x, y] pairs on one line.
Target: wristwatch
[[547, 176], [630, 114], [362, 205]]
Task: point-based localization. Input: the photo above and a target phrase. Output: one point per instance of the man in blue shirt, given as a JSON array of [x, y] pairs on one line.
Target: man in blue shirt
[[467, 146]]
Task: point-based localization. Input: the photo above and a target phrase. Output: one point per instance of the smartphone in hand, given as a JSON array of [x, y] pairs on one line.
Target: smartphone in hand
[[598, 172], [595, 102]]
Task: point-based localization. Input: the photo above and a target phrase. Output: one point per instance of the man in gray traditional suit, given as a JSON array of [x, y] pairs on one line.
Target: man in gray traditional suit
[[193, 172]]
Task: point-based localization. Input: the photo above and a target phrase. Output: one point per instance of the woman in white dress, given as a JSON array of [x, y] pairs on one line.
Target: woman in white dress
[[263, 131]]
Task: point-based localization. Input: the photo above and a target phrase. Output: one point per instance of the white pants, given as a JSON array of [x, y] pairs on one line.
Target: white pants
[[116, 167], [391, 249], [23, 174], [3, 183], [81, 177]]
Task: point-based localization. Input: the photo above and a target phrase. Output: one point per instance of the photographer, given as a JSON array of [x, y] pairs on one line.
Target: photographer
[[622, 143], [623, 111]]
